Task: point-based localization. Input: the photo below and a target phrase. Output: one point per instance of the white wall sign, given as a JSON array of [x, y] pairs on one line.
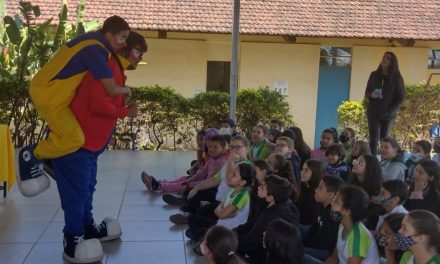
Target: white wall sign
[[282, 87]]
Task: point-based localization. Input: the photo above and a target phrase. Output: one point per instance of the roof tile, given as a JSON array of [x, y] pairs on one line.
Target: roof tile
[[407, 19]]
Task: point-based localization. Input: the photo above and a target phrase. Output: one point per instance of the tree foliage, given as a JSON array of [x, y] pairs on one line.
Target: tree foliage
[[25, 47], [419, 111]]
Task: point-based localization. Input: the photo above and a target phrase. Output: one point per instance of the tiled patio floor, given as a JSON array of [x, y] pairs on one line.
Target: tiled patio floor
[[31, 228]]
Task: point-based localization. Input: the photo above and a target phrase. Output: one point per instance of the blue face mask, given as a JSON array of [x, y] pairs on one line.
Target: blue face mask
[[336, 216], [404, 242]]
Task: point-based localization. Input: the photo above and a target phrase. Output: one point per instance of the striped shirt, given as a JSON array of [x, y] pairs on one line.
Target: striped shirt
[[241, 201], [358, 242], [408, 258]]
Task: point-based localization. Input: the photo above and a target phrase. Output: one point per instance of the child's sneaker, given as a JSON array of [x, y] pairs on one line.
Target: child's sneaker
[[32, 178], [173, 200], [78, 250], [108, 229], [179, 219]]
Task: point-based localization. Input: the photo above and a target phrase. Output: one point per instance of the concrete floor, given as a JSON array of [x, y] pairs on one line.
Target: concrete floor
[[31, 228]]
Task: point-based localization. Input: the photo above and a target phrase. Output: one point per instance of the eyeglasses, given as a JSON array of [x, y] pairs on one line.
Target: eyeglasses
[[280, 145], [235, 147], [357, 162]]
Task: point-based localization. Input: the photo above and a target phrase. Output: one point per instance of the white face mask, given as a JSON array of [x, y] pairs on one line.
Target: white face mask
[[226, 131]]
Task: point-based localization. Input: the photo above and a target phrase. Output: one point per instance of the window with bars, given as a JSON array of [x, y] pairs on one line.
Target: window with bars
[[434, 59], [217, 78], [335, 56]]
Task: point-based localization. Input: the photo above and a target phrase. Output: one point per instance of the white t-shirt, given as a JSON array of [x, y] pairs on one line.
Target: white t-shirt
[[241, 201], [358, 242], [397, 210], [223, 187]]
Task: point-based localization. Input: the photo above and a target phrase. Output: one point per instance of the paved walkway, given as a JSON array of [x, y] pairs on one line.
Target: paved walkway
[[31, 228]]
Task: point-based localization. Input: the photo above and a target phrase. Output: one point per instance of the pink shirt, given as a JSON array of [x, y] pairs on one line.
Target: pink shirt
[[211, 167]]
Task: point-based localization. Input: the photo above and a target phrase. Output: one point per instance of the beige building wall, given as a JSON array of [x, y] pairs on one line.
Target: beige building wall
[[266, 63], [180, 64], [180, 61]]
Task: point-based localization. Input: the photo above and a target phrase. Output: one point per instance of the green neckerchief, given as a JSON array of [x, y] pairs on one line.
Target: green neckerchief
[[261, 146]]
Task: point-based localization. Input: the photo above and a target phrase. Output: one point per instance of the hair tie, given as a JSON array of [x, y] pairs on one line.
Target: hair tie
[[231, 253]]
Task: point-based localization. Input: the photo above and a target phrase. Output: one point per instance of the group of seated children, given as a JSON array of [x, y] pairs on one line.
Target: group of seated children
[[261, 202]]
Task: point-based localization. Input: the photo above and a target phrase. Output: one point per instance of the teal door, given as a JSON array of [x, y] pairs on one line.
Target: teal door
[[333, 89]]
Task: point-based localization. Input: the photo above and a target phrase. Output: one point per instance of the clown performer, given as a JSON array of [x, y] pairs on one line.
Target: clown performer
[[52, 90]]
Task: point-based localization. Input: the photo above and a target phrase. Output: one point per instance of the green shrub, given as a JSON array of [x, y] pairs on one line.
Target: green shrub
[[209, 109], [261, 106]]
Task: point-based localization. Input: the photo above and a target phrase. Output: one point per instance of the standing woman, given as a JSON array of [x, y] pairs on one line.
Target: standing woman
[[384, 92]]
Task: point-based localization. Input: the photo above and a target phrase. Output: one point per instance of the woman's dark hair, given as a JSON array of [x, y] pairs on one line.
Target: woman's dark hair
[[332, 131], [337, 149], [393, 71], [317, 170], [222, 243], [396, 188], [372, 178], [278, 187], [426, 146], [364, 147], [426, 223], [356, 200], [394, 221], [395, 145], [262, 127], [114, 25], [247, 173], [134, 39], [284, 168], [352, 133], [278, 122], [263, 165], [300, 145], [219, 139], [332, 183], [283, 243], [432, 168]]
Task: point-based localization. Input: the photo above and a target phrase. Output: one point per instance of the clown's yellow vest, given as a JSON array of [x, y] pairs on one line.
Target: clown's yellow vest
[[52, 98]]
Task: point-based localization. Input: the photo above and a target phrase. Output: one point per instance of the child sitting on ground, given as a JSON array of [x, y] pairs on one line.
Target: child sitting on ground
[[355, 243], [421, 151], [276, 192], [347, 139], [283, 243], [321, 238], [216, 160], [336, 166], [212, 189], [393, 194], [283, 167], [311, 175], [328, 137], [286, 147], [260, 148], [233, 209], [359, 148], [220, 246]]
